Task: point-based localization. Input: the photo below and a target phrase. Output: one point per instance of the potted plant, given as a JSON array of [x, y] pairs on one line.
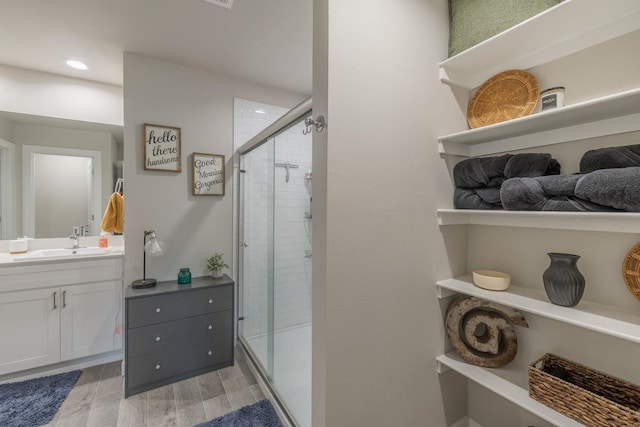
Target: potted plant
[[215, 264]]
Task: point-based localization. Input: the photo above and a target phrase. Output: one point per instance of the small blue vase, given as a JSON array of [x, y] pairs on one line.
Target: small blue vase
[[563, 283]]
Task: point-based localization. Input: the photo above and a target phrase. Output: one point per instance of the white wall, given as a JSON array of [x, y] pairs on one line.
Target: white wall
[[5, 128], [377, 249], [201, 104], [43, 94]]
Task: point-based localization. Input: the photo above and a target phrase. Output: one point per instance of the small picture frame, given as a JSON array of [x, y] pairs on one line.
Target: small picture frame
[[208, 174], [162, 148]]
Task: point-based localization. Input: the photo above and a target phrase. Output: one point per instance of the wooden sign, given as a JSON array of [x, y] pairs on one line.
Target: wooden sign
[[162, 148], [208, 174]]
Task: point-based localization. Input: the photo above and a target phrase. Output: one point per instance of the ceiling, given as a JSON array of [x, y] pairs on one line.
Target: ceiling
[[265, 41]]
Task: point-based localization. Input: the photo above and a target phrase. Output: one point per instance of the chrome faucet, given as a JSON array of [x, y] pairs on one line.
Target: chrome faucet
[[75, 237]]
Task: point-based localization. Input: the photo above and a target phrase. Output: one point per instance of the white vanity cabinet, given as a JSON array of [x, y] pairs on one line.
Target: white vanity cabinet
[[59, 311], [29, 330], [88, 316]]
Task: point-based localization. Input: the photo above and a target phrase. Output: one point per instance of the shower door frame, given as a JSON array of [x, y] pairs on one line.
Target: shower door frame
[[286, 121]]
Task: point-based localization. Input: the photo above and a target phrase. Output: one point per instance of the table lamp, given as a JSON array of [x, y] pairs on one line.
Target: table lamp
[[153, 247]]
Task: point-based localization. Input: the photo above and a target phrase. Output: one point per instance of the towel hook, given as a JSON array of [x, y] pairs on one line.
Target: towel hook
[[319, 123]]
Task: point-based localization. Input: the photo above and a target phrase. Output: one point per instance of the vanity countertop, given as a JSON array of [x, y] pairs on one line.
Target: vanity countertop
[[59, 255]]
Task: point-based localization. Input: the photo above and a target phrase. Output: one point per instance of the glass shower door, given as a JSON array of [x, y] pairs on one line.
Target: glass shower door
[[275, 245], [292, 272], [256, 180]]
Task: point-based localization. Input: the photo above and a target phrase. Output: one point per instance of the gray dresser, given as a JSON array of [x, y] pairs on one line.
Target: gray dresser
[[176, 331]]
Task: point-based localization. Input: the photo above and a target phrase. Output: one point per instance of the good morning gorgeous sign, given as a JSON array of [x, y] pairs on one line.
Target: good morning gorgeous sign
[[208, 174], [162, 148]]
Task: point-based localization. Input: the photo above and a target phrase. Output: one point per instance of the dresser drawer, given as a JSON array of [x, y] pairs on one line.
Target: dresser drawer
[[158, 367], [178, 305], [209, 328]]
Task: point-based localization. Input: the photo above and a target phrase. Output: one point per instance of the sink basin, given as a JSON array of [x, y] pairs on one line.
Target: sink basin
[[61, 253]]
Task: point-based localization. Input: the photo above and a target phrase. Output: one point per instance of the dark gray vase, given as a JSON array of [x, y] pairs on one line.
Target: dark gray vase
[[563, 283]]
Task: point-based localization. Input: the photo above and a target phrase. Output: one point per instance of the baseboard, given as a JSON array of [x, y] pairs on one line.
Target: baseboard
[[58, 368]]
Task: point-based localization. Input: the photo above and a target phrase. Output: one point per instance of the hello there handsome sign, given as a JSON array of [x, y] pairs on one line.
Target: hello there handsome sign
[[162, 148]]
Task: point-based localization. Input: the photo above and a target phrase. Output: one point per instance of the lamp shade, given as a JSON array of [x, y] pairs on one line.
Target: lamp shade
[[154, 247]]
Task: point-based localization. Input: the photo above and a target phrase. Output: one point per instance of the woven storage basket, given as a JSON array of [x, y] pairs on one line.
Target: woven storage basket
[[589, 397]]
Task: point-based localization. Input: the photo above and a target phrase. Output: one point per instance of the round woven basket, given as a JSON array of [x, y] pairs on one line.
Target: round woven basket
[[505, 96], [631, 270]]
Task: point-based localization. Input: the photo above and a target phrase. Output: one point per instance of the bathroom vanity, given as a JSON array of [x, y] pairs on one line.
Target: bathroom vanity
[[59, 309], [177, 331]]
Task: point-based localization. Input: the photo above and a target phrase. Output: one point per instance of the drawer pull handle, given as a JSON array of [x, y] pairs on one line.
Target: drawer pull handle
[[157, 339], [210, 327], [209, 353], [157, 367], [158, 310], [210, 301]]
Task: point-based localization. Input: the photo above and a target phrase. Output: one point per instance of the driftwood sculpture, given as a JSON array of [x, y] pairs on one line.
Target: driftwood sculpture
[[481, 332]]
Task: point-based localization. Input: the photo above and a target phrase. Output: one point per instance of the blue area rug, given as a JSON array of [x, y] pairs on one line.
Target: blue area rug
[[259, 414], [34, 402]]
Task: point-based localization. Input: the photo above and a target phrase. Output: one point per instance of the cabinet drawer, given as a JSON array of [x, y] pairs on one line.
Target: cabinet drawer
[[178, 305], [209, 328], [151, 368]]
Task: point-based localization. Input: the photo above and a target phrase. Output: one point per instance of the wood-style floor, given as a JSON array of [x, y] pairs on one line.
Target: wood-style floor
[[97, 399]]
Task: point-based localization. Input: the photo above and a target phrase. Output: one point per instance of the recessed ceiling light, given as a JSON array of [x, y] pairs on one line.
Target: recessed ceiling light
[[261, 111], [223, 3], [73, 63]]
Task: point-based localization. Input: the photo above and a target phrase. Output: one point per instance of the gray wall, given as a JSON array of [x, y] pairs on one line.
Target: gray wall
[[201, 104]]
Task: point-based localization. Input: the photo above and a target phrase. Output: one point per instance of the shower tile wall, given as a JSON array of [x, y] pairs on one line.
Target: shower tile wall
[[292, 231]]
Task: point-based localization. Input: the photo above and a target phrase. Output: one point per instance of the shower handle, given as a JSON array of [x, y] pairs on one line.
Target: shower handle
[[244, 244]]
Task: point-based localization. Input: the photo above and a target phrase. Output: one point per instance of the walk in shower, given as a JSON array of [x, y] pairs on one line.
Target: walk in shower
[[275, 259]]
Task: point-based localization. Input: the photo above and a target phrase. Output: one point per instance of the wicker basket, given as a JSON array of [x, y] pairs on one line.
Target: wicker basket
[[588, 396]]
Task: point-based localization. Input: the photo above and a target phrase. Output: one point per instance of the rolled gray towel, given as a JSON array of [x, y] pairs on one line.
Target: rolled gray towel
[[484, 172], [477, 198], [610, 158], [480, 172], [618, 188], [530, 165], [545, 193]]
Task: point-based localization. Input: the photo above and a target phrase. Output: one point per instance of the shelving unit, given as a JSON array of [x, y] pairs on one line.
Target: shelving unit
[[616, 222], [596, 317], [569, 27], [608, 115], [503, 388]]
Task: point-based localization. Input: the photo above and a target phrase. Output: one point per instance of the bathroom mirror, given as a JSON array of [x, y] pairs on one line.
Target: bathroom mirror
[[55, 174]]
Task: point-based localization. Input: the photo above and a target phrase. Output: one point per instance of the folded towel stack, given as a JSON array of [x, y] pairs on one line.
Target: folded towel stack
[[609, 181], [478, 180]]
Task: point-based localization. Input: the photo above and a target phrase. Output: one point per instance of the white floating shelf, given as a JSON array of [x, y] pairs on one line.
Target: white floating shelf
[[569, 27], [608, 115], [619, 222], [604, 319], [503, 388]]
